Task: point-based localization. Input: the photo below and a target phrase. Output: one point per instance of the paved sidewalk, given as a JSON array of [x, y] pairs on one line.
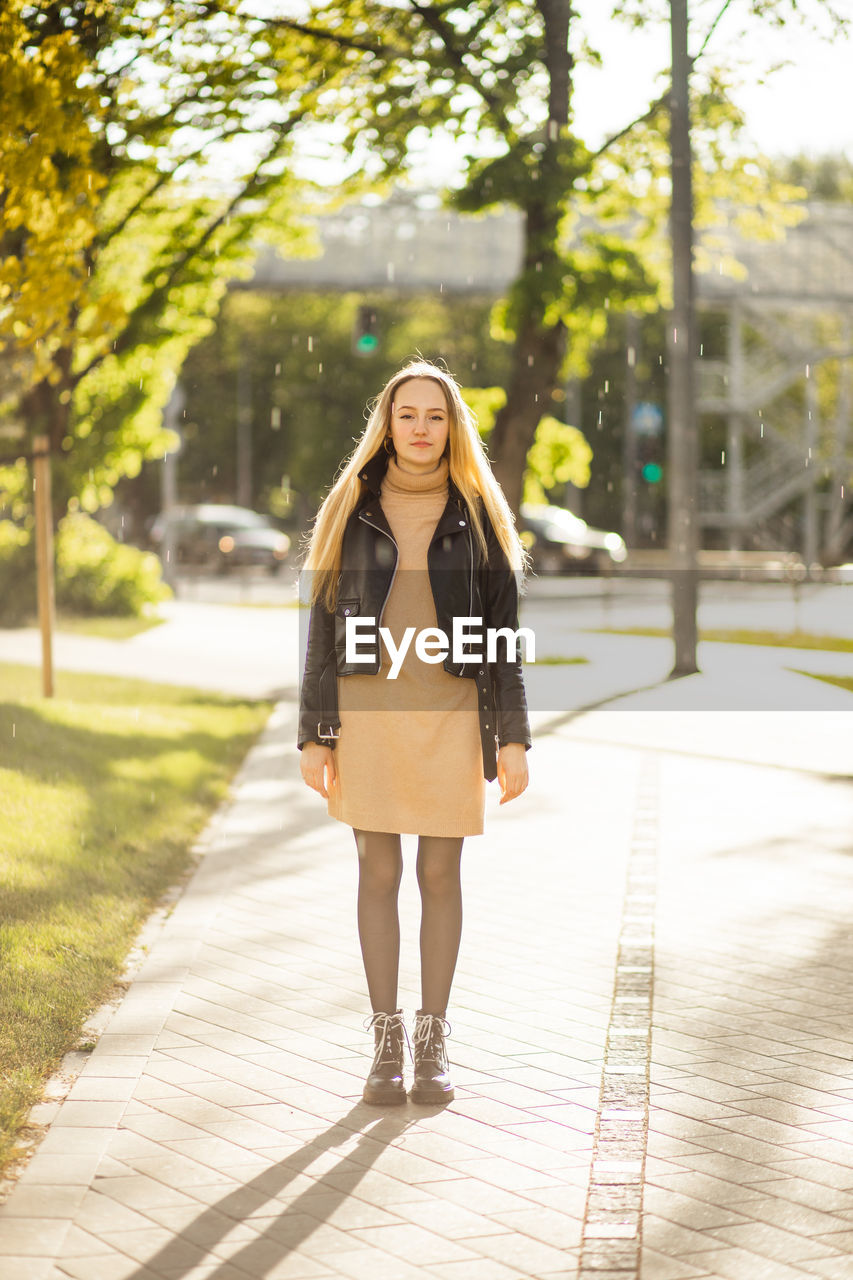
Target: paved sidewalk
[[216, 1131]]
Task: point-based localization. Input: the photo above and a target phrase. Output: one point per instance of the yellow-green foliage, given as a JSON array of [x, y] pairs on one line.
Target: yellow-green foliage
[[560, 453], [96, 574], [48, 190], [485, 403], [142, 158]]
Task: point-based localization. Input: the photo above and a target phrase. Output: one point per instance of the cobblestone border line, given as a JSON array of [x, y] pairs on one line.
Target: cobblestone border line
[[612, 1226]]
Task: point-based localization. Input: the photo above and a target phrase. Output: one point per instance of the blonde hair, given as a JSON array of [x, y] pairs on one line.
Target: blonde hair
[[469, 469]]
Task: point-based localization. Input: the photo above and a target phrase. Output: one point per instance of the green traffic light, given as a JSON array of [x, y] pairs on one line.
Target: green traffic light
[[366, 344], [652, 473]]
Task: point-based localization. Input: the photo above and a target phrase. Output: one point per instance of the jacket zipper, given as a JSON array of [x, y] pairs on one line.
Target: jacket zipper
[[379, 529]]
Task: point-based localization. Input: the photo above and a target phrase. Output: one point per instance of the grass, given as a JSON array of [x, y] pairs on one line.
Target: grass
[[102, 791], [556, 661], [105, 628], [843, 682], [775, 639]]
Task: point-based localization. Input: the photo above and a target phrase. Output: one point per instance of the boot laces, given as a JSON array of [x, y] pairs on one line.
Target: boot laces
[[392, 1030], [429, 1042]]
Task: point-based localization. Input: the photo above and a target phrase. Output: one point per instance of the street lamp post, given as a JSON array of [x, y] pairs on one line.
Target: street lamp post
[[682, 443]]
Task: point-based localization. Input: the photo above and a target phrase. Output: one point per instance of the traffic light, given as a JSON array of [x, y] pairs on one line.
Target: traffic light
[[365, 339], [650, 456]]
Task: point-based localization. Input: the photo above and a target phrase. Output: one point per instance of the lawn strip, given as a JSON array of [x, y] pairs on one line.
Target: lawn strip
[[102, 627], [103, 791], [724, 635], [842, 682]]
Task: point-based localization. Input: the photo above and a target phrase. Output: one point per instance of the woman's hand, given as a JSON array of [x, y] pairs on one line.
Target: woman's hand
[[318, 767], [512, 770]]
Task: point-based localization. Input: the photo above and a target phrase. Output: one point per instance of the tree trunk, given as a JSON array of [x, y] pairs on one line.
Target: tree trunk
[[537, 357], [46, 411], [539, 350]]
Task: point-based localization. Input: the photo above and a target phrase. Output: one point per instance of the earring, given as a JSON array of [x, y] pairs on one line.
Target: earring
[[388, 442]]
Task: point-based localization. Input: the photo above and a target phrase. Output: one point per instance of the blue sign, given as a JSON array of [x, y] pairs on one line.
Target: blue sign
[[647, 418]]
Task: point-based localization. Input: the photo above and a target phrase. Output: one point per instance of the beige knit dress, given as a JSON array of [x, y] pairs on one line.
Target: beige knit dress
[[409, 757]]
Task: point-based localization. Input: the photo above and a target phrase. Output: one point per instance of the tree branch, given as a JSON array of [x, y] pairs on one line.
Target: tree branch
[[433, 18], [710, 32], [158, 294], [334, 37], [662, 101], [146, 50], [163, 177]]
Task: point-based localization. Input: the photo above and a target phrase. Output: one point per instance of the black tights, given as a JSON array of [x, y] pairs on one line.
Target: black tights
[[380, 869]]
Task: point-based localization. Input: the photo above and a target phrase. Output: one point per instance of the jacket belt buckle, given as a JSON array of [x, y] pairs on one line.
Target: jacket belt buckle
[[330, 731]]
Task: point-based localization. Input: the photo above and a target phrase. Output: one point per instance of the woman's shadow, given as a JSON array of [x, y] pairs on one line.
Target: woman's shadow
[[192, 1245]]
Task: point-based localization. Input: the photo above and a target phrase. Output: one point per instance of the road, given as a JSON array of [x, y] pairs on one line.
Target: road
[[824, 608], [254, 651]]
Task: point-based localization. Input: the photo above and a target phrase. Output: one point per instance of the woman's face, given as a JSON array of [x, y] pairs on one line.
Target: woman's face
[[420, 424]]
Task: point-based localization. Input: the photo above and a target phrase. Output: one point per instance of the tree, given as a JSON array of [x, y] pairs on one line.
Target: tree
[[825, 177], [496, 75], [48, 196], [138, 104]]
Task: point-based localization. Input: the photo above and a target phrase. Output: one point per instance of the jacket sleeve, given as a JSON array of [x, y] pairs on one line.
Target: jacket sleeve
[[318, 694], [500, 598]]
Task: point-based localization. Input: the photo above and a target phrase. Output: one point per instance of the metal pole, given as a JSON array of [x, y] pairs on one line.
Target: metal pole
[[682, 444], [244, 429], [734, 440], [629, 435], [44, 558], [810, 516], [834, 536]]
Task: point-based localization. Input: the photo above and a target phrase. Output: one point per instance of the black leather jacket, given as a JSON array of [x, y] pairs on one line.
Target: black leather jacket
[[463, 585]]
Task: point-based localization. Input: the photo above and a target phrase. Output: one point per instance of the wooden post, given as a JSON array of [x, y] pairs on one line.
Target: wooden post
[[44, 558]]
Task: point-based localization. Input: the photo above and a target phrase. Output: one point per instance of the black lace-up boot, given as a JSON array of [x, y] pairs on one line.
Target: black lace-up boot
[[432, 1070], [384, 1086]]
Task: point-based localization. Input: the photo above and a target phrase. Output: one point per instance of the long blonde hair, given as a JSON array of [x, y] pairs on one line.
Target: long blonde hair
[[469, 469]]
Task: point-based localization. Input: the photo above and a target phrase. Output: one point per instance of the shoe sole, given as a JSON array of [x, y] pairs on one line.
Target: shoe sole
[[425, 1098], [395, 1099]]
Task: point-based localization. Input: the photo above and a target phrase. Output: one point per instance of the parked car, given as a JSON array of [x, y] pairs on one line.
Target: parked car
[[560, 542], [220, 537]]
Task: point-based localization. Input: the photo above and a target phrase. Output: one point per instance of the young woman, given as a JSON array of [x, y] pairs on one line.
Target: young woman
[[399, 735]]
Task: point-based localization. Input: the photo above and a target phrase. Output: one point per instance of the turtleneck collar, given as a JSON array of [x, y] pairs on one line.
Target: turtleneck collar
[[396, 480]]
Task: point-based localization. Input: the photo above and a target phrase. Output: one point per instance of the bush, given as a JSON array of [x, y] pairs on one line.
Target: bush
[[17, 574], [97, 575]]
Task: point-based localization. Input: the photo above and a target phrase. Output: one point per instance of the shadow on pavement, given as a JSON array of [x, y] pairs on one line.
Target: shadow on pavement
[[566, 717], [295, 1222]]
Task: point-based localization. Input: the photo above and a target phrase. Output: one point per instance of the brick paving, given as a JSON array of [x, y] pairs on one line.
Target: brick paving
[[216, 1130]]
